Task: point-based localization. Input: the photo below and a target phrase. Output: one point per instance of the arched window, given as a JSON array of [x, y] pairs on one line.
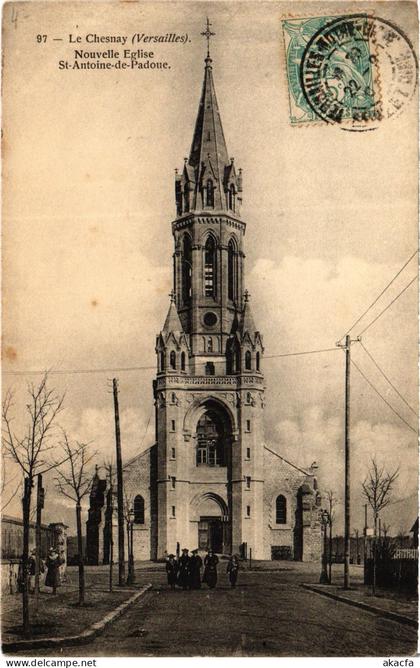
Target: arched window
[[210, 267], [257, 361], [248, 397], [209, 193], [209, 344], [231, 195], [248, 361], [210, 440], [186, 197], [172, 360], [281, 510], [138, 508], [232, 270], [186, 269], [162, 361], [182, 361]]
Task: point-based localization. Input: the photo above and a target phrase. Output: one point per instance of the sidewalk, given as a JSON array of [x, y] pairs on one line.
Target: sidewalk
[[60, 615], [400, 606]]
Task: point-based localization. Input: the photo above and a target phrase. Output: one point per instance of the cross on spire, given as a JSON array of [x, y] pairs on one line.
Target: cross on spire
[[207, 34], [172, 296], [246, 296]]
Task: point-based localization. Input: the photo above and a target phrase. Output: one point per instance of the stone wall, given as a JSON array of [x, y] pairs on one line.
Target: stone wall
[[300, 537]]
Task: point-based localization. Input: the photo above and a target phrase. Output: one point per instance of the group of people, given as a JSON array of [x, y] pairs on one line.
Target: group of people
[[51, 564], [186, 570]]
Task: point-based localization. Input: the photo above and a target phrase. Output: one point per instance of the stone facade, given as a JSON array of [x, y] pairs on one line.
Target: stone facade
[[210, 481]]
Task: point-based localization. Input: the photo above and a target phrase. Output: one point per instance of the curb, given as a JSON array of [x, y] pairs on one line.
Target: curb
[[81, 639], [394, 616]]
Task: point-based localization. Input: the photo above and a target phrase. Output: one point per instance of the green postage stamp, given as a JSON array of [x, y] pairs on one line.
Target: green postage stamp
[[354, 70], [329, 71]]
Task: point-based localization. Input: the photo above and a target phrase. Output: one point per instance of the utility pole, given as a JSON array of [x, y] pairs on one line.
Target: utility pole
[[347, 525], [120, 492], [39, 507], [111, 529]]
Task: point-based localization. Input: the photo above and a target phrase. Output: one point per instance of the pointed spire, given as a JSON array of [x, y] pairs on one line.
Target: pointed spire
[[209, 145], [247, 322], [172, 322], [209, 179]]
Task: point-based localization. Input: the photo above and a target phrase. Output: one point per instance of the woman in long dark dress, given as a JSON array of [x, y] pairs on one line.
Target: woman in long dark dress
[[196, 563], [53, 564], [210, 569], [171, 570]]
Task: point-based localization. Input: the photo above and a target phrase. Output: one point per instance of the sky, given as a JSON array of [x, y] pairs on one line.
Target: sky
[[87, 249]]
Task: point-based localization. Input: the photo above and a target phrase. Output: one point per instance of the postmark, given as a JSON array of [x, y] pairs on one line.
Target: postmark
[[354, 71]]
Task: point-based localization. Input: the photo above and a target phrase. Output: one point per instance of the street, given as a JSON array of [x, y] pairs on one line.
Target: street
[[268, 614]]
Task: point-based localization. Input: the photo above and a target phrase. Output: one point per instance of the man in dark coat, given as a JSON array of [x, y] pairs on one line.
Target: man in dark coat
[[196, 563], [232, 569], [184, 572], [171, 570], [210, 569]]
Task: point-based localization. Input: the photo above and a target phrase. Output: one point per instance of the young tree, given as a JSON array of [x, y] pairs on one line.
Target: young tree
[[377, 488], [332, 502], [30, 449], [74, 481], [128, 516]]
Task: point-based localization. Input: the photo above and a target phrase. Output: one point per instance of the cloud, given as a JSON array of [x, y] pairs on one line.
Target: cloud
[[316, 436], [307, 304]]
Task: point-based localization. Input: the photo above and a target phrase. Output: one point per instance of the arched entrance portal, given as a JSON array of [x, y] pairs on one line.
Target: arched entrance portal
[[212, 519]]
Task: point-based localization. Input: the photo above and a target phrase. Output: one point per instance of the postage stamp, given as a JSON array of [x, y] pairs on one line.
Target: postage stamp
[[353, 70], [296, 34]]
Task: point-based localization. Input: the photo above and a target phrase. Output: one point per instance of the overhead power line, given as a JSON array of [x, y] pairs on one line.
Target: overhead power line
[[389, 305], [388, 380], [382, 397], [145, 368], [380, 295]]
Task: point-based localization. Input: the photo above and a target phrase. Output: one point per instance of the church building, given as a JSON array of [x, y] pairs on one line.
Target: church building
[[210, 480]]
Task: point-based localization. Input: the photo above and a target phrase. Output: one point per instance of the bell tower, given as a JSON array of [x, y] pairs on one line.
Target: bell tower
[[209, 390]]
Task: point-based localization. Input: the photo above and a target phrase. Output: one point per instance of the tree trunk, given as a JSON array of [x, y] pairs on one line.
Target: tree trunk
[[80, 551], [374, 552], [26, 508]]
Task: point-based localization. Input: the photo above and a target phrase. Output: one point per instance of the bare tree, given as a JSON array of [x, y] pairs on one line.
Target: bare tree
[[386, 528], [128, 516], [30, 450], [74, 482], [377, 488], [109, 468]]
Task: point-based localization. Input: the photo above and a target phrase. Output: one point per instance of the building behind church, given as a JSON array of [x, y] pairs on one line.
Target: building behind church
[[210, 480]]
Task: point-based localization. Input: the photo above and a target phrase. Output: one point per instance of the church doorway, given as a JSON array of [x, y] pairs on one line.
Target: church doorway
[[210, 534]]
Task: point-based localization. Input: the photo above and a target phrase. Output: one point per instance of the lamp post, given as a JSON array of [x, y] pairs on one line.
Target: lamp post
[[131, 576], [325, 520]]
